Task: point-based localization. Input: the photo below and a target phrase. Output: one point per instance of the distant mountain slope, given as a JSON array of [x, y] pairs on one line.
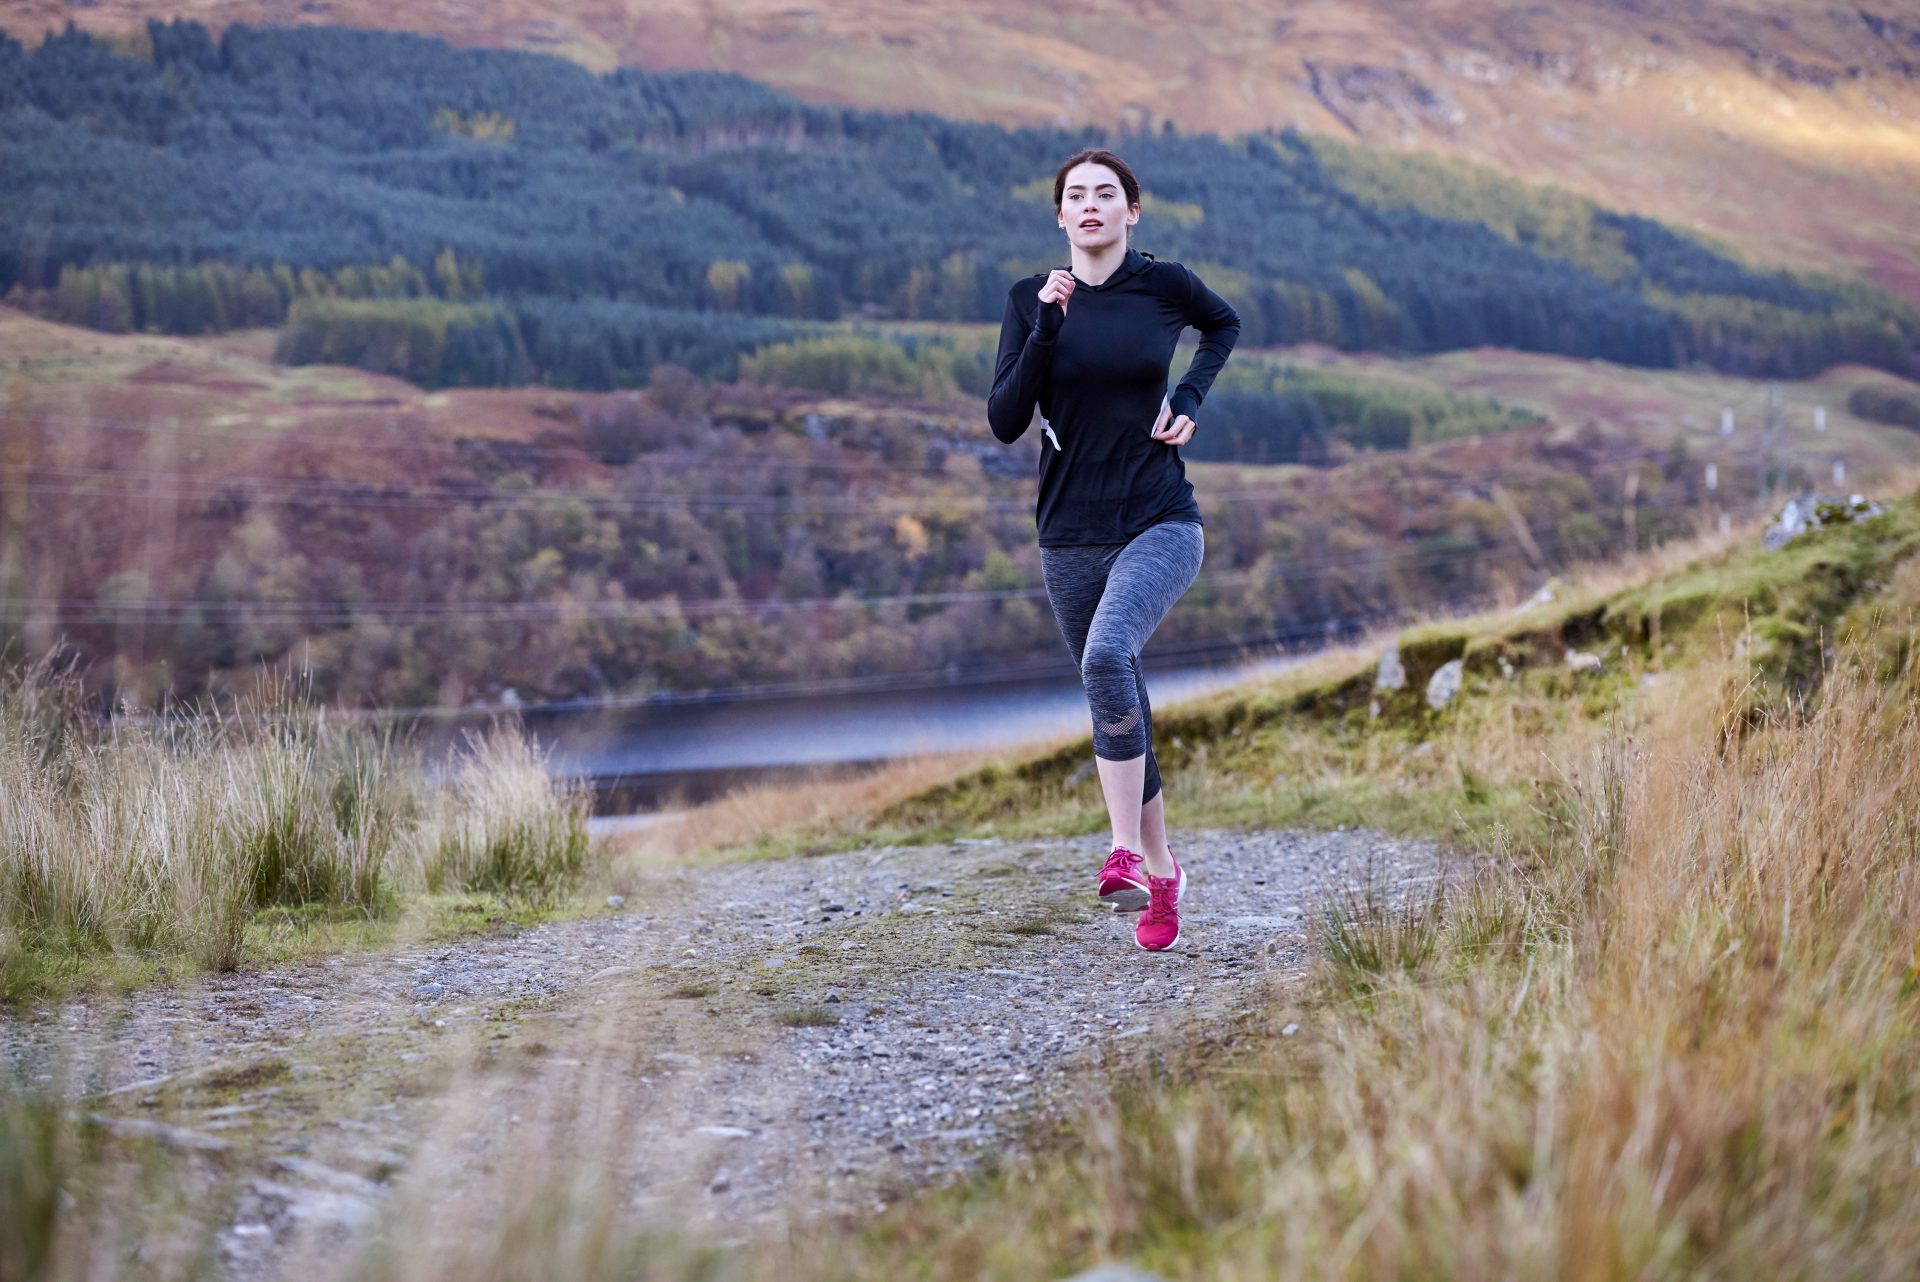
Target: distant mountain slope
[[1790, 127]]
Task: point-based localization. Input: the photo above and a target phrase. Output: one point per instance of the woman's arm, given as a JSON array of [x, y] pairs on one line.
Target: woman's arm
[[1219, 327], [1020, 368]]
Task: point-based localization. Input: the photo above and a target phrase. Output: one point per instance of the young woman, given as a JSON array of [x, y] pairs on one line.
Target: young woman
[[1120, 535]]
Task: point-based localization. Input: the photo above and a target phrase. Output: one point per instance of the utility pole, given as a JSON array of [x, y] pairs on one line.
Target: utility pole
[[1773, 424]]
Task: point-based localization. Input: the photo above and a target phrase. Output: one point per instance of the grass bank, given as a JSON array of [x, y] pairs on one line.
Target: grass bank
[[135, 848]]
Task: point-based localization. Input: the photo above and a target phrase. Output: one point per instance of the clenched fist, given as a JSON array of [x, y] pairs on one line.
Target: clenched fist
[[1178, 432], [1058, 287]]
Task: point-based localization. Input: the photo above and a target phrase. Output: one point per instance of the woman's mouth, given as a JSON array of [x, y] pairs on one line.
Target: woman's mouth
[[1091, 222]]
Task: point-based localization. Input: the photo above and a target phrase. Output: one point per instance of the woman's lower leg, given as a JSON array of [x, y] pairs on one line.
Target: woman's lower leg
[[1120, 783], [1153, 836], [1141, 829]]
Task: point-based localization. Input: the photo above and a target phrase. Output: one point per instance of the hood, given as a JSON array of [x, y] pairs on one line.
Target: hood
[[1134, 263]]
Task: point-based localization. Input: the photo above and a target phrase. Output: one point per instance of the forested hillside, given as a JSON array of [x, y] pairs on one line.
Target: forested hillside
[[509, 217], [1787, 128]]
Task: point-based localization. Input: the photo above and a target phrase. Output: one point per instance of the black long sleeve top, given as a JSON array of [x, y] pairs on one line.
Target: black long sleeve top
[[1097, 372]]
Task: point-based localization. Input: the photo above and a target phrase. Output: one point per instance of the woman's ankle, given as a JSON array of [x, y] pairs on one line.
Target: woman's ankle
[[1159, 862]]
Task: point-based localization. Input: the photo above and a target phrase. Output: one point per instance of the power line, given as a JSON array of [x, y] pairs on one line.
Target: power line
[[359, 495]]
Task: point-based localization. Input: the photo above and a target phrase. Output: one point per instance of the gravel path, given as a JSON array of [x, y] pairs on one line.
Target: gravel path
[[828, 1032]]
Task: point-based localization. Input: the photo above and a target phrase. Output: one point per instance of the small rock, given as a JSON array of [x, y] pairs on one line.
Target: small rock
[[616, 901], [1289, 1030], [1391, 674], [1115, 1273], [725, 1132], [1445, 683], [171, 1136], [720, 1183], [318, 1209], [608, 973]]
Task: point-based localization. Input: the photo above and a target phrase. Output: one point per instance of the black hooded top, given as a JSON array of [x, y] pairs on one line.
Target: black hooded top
[[1097, 370]]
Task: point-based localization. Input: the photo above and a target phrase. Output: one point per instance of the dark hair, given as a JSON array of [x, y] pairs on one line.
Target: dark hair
[[1099, 156]]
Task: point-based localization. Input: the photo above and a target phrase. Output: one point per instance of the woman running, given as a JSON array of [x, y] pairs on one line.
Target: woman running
[[1120, 536]]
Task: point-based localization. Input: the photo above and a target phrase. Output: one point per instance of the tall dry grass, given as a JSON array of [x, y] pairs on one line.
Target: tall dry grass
[[1682, 1039], [169, 835], [499, 821]]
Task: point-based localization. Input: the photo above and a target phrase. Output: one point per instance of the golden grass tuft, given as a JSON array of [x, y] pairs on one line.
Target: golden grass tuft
[[167, 837]]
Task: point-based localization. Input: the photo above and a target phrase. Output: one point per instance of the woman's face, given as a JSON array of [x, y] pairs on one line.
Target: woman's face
[[1093, 207]]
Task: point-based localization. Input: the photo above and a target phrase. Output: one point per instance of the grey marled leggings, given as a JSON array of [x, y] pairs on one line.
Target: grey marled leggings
[[1108, 598]]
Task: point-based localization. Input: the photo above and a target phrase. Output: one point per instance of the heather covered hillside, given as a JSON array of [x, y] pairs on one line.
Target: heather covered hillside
[[186, 511]]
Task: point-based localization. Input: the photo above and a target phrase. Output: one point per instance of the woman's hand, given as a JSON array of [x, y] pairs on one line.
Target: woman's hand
[[1058, 287], [1178, 432]]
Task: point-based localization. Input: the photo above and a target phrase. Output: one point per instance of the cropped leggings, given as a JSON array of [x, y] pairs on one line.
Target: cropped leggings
[[1108, 598]]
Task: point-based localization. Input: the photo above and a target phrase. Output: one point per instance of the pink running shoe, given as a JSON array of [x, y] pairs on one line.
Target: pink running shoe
[[1123, 881], [1159, 926]]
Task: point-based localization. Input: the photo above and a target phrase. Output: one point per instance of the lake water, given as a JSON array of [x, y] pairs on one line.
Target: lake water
[[639, 755]]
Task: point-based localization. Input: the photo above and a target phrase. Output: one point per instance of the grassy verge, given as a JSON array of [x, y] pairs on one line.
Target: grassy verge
[[133, 850]]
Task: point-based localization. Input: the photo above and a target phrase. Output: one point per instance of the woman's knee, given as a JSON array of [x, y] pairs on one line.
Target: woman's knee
[[1104, 660]]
